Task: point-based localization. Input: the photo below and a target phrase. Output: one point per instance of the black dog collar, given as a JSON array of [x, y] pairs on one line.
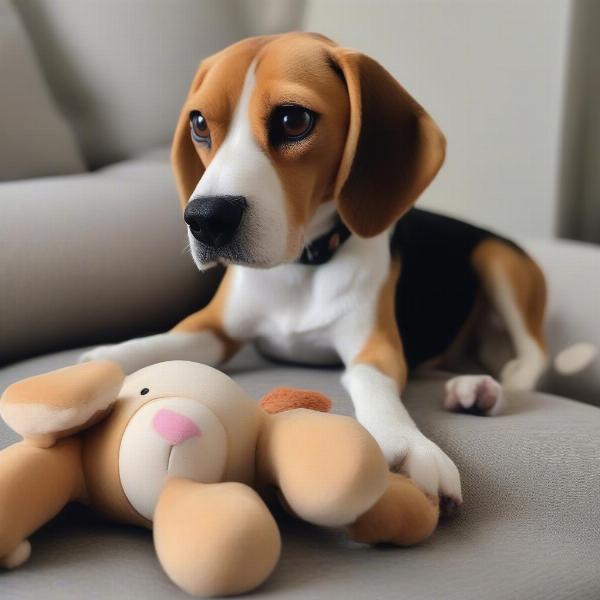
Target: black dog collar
[[321, 250]]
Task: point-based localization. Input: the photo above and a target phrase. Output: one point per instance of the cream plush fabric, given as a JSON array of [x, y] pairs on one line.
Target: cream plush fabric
[[35, 139]]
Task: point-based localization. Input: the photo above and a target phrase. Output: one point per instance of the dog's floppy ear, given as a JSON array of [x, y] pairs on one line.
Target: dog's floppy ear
[[186, 163], [393, 147]]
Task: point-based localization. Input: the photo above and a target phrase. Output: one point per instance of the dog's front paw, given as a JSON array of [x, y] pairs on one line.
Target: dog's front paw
[[425, 463], [124, 355], [98, 353]]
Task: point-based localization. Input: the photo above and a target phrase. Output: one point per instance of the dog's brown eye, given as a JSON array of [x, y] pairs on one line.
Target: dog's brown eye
[[199, 127], [295, 122], [290, 123]]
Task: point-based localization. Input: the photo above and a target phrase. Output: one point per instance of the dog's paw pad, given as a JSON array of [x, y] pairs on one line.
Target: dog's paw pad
[[475, 394]]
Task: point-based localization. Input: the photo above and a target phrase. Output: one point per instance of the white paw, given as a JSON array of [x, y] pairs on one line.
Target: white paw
[[479, 394], [124, 355], [522, 373], [135, 354], [424, 462]]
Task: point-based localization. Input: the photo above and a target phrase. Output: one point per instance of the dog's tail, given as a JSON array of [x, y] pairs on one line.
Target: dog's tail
[[575, 358], [282, 398]]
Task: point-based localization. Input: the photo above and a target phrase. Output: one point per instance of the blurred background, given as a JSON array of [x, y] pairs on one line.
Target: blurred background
[[90, 91]]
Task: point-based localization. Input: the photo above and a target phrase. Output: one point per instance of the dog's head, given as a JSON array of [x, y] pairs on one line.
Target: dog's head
[[279, 132]]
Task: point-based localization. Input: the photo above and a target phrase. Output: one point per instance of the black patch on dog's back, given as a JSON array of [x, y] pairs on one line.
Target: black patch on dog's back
[[438, 286]]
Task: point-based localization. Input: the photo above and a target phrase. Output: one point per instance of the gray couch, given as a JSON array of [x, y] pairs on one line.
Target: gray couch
[[94, 251]]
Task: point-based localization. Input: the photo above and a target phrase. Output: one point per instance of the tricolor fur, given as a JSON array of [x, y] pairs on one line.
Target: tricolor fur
[[370, 153]]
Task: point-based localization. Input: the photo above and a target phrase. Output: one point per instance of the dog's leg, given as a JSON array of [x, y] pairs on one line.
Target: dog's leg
[[379, 408], [375, 375], [201, 337], [516, 290]]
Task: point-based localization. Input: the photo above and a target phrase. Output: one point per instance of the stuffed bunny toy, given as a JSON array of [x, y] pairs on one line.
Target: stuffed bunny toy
[[180, 448]]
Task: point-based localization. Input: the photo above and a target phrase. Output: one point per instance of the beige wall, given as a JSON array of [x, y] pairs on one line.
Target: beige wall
[[492, 73]]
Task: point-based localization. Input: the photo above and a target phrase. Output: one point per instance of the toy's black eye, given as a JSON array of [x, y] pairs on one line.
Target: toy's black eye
[[290, 123], [144, 391], [199, 127]]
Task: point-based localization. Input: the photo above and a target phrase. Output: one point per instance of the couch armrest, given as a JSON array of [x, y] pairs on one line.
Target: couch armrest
[[92, 258]]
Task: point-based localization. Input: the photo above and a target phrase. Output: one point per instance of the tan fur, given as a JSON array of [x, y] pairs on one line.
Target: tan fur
[[374, 149], [223, 76], [525, 278], [383, 349], [294, 69], [393, 149], [210, 318], [350, 157]]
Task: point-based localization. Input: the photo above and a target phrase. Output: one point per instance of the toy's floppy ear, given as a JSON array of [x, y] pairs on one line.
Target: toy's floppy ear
[[47, 407], [187, 166], [281, 399], [393, 147]]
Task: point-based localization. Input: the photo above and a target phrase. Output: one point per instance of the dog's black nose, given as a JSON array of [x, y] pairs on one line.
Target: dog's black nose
[[213, 220]]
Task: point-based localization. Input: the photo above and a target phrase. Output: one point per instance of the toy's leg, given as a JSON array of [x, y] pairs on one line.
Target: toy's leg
[[328, 468], [214, 539], [404, 516], [35, 484]]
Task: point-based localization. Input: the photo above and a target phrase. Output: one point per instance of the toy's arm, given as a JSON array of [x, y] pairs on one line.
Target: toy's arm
[[47, 407], [35, 484], [328, 468], [331, 472]]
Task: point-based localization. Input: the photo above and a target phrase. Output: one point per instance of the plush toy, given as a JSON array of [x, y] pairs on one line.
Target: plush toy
[[180, 447]]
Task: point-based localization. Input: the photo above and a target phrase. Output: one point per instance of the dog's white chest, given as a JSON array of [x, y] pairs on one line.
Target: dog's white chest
[[293, 311]]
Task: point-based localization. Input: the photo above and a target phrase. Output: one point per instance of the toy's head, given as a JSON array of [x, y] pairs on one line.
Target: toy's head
[[175, 418], [179, 419]]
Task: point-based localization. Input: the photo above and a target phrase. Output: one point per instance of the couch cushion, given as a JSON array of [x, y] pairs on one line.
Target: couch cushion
[[35, 139], [121, 69], [528, 528], [94, 257]]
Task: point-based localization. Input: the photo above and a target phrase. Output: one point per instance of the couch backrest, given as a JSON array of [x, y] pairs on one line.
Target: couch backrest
[[120, 69]]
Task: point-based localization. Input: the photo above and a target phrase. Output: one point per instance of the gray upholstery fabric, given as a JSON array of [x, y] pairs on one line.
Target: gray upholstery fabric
[[529, 527], [120, 70], [94, 257], [35, 139]]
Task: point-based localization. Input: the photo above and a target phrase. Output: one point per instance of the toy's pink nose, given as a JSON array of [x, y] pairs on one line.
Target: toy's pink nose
[[173, 427]]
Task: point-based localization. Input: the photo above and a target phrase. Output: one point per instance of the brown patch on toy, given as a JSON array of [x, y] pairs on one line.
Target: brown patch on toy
[[282, 398]]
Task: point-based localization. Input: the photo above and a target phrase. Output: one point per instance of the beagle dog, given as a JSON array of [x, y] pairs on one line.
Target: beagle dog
[[298, 163]]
